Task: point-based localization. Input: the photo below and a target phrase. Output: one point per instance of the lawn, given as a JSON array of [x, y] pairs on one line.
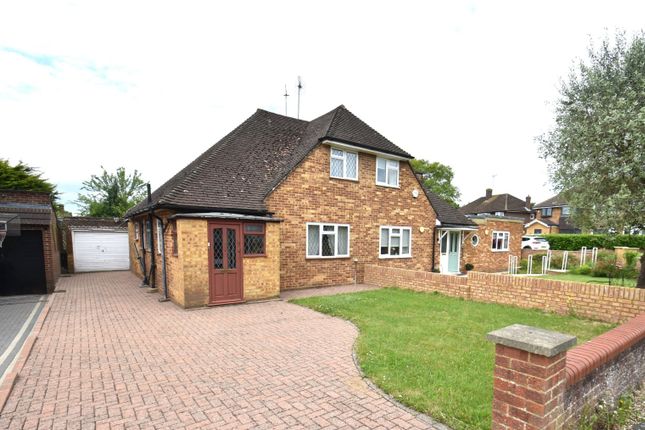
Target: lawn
[[430, 351], [628, 282]]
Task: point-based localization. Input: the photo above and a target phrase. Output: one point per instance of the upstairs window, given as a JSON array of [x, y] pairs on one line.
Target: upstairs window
[[566, 211], [387, 172], [499, 213], [547, 212], [327, 240], [395, 242], [343, 164], [254, 240], [501, 240]]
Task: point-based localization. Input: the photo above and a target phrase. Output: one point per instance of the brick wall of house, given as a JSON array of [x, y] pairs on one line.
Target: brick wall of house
[[193, 253], [540, 229], [308, 194], [599, 302], [262, 274], [25, 197], [555, 215], [482, 256]]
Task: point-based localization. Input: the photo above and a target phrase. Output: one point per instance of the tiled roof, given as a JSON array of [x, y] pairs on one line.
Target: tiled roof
[[93, 222], [446, 213], [240, 170], [26, 213], [555, 201], [497, 203]]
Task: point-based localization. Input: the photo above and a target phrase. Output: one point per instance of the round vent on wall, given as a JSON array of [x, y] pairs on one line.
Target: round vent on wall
[[415, 193]]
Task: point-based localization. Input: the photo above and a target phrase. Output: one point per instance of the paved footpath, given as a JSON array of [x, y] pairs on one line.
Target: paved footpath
[[111, 356]]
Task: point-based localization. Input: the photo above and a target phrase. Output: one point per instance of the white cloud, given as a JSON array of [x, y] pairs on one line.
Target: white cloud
[[150, 85]]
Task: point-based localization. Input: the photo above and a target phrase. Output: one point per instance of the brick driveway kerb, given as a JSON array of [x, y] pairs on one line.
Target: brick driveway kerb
[[111, 356]]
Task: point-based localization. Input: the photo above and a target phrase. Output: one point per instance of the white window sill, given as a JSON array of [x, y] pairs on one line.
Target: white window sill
[[389, 257], [387, 185], [344, 179], [331, 257], [499, 250]]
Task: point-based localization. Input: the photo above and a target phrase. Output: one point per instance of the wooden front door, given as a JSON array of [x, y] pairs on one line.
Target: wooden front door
[[225, 261]]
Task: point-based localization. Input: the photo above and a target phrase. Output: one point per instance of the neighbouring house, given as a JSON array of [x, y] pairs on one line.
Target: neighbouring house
[[30, 251], [552, 216], [501, 205], [94, 244], [488, 249], [282, 203]]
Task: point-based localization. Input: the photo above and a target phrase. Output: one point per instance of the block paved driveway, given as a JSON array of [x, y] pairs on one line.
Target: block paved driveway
[[111, 356]]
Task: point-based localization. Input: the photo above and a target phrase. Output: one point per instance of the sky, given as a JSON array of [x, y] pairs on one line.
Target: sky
[[151, 85]]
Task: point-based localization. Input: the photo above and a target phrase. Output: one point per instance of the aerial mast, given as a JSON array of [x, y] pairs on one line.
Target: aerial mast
[[299, 89], [286, 94]]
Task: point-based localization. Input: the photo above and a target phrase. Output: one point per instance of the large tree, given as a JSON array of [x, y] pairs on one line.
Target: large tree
[[111, 194], [438, 178], [25, 178], [596, 150]]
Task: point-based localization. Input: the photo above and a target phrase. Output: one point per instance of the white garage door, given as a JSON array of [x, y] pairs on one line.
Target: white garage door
[[96, 251]]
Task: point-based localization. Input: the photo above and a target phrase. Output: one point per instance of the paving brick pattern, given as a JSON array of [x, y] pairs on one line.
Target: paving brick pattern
[[112, 356]]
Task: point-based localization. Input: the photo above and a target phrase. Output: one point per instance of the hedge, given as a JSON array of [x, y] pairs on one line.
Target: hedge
[[573, 242]]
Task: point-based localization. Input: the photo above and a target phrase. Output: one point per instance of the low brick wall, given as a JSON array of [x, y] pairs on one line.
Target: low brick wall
[[539, 385], [600, 302], [605, 367], [455, 286]]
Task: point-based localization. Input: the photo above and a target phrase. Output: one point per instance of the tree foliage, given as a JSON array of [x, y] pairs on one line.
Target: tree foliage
[[111, 194], [437, 178], [596, 150], [25, 178]]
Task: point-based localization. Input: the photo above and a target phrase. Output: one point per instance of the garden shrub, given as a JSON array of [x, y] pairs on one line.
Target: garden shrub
[[573, 242]]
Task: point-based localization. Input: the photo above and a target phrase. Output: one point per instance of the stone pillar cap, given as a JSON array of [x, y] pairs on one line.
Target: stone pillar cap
[[532, 339]]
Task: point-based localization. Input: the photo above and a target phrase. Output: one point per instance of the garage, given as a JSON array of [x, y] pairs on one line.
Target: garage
[[100, 250], [22, 264]]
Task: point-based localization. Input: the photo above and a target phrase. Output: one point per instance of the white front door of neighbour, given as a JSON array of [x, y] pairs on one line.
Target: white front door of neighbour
[[449, 251], [96, 251]]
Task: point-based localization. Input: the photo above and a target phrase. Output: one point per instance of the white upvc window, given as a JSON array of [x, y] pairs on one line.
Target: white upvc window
[[327, 240], [499, 213], [566, 210], [147, 234], [343, 164], [395, 242], [387, 172], [136, 230], [501, 240], [159, 235]]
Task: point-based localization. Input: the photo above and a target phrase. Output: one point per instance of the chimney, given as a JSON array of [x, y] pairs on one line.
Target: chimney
[[489, 193], [528, 202]]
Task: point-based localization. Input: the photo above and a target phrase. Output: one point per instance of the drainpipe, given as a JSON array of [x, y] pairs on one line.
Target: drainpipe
[[164, 281], [434, 244], [153, 263], [142, 230]]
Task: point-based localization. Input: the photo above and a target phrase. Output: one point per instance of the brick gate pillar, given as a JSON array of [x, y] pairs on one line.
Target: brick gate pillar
[[530, 377]]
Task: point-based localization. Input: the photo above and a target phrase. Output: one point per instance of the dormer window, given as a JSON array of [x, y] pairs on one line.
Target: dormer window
[[343, 164], [387, 172]]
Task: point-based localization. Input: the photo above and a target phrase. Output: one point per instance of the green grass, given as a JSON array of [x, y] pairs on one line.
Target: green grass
[[430, 351], [591, 279]]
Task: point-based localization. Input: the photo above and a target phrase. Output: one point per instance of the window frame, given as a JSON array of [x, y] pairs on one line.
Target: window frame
[[566, 212], [147, 235], [508, 241], [545, 215], [343, 158], [159, 231], [173, 235], [262, 233], [389, 236], [136, 231], [398, 172], [321, 226], [475, 240]]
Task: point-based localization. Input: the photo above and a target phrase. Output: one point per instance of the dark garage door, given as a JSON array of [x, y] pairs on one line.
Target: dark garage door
[[22, 264]]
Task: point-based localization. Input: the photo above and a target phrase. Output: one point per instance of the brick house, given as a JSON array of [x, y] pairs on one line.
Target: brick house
[[30, 252], [552, 217], [501, 205], [282, 203]]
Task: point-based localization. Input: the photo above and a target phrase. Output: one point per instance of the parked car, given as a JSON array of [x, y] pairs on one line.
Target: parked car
[[535, 243]]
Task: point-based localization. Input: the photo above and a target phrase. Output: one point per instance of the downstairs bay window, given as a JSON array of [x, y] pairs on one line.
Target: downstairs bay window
[[327, 240], [395, 242]]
